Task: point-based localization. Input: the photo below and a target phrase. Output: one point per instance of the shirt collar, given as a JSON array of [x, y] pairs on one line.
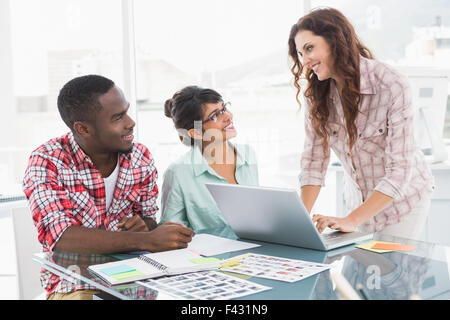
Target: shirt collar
[[200, 165], [243, 154], [77, 152], [366, 80], [367, 83], [81, 157]]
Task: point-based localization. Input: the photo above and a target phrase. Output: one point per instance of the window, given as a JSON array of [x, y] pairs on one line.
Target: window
[[238, 48], [419, 36], [51, 42]]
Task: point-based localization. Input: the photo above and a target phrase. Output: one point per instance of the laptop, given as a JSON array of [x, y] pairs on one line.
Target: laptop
[[275, 215]]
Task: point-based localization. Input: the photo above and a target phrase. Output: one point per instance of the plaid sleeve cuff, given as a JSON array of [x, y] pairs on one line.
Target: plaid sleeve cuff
[[311, 179], [55, 232], [388, 188], [52, 215], [147, 206]]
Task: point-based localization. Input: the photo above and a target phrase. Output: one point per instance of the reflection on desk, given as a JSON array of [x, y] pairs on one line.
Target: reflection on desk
[[73, 268], [390, 276]]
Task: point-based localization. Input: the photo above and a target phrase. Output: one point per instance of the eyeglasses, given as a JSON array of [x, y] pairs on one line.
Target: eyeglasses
[[218, 114]]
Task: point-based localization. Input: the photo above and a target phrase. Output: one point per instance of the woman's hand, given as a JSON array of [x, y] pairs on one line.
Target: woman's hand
[[346, 224], [370, 208]]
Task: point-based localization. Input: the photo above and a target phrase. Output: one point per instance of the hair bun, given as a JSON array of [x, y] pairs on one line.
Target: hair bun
[[168, 105]]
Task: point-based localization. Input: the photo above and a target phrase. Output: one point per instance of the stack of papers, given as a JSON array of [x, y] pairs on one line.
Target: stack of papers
[[210, 245]]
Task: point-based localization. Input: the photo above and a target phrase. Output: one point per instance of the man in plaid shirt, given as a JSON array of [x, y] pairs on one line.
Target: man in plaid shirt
[[86, 186]]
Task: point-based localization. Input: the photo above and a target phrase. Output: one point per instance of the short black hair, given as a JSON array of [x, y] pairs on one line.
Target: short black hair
[[78, 98]]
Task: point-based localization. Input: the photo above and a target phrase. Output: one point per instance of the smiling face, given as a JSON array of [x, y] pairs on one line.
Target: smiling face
[[113, 130], [315, 54], [223, 124]]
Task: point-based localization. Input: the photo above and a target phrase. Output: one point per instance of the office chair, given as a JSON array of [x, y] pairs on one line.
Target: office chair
[[26, 244]]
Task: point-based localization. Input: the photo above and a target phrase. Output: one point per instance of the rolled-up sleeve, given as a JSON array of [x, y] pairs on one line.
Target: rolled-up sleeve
[[314, 159], [400, 145], [172, 203], [147, 206]]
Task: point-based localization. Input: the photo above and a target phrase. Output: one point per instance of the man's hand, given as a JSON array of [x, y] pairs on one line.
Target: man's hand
[[134, 223], [168, 236]]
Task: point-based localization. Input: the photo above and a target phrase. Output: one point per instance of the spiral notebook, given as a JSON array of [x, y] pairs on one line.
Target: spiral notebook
[[153, 265]]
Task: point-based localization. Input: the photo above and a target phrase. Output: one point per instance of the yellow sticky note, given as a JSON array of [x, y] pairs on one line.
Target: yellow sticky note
[[369, 245], [203, 260], [234, 261], [393, 246]]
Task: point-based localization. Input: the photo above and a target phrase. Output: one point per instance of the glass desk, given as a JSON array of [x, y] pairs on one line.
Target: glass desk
[[419, 274]]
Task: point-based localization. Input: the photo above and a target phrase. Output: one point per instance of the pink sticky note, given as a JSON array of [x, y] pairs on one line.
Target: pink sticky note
[[393, 246]]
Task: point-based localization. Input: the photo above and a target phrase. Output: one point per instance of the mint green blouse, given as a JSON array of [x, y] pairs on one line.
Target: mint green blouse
[[185, 197]]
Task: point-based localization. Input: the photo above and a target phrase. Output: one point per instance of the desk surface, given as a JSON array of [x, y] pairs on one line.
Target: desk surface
[[423, 272]]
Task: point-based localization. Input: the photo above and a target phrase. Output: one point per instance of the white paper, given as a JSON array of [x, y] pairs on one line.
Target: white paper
[[206, 285], [210, 245]]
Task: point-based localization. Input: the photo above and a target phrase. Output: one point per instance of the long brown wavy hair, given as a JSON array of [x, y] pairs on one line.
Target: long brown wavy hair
[[346, 49]]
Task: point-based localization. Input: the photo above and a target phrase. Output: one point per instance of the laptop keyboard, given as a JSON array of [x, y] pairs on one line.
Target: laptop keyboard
[[337, 236]]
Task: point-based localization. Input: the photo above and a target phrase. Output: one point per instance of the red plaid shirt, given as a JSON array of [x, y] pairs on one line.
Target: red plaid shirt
[[65, 189]]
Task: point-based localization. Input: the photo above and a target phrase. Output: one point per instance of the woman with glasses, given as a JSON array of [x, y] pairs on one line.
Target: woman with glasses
[[205, 124], [361, 108]]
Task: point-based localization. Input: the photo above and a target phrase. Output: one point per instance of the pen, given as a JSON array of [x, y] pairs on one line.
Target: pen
[[196, 252], [360, 289]]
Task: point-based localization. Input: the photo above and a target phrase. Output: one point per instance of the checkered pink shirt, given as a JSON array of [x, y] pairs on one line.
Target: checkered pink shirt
[[65, 189], [386, 157]]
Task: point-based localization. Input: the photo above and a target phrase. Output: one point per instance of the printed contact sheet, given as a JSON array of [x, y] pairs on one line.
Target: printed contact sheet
[[275, 268], [206, 285]]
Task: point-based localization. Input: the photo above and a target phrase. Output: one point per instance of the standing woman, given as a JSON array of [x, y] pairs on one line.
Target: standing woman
[[361, 108]]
